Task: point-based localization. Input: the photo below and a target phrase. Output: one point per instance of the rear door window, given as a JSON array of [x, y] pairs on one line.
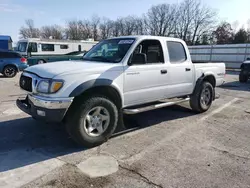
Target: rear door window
[[176, 51]]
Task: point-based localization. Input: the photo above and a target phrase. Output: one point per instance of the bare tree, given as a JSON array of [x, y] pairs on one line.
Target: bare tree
[[161, 19], [140, 26], [130, 25], [74, 30], [194, 20], [120, 26], [95, 26], [186, 15], [54, 31], [29, 30], [85, 29], [203, 22], [189, 20], [116, 28], [106, 27]]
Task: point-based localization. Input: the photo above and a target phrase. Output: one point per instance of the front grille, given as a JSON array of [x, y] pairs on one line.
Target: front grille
[[26, 83]]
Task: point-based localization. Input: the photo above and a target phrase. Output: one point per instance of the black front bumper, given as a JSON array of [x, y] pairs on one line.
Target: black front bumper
[[50, 115]]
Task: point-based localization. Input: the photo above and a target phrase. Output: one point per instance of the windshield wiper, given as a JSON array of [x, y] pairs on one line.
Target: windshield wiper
[[101, 58]]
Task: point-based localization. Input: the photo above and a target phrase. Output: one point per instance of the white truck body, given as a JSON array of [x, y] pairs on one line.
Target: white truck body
[[135, 84]]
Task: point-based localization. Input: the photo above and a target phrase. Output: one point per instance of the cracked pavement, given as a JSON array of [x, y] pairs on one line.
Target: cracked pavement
[[169, 147]]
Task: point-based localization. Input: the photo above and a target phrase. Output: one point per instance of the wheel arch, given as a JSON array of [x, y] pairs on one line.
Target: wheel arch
[[12, 65], [206, 77], [211, 79], [99, 86], [42, 59]]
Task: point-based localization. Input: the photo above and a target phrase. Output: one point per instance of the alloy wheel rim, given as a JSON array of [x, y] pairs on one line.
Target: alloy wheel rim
[[9, 71], [96, 121], [205, 96]]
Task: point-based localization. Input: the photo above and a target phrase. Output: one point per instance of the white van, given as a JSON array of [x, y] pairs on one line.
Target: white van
[[40, 47]]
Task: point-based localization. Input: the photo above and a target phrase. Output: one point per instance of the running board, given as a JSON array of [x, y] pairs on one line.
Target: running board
[[153, 107]]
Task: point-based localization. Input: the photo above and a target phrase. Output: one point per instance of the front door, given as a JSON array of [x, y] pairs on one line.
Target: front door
[[145, 82]]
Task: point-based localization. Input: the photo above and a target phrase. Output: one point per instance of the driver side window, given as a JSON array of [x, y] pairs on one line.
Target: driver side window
[[150, 50]]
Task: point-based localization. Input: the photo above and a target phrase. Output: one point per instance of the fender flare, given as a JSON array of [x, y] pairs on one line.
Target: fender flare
[[91, 84], [200, 81]]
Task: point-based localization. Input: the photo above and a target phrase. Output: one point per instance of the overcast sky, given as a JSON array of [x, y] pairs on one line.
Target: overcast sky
[[46, 12]]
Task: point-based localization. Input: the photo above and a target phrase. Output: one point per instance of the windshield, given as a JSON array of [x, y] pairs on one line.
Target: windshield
[[22, 46], [111, 50]]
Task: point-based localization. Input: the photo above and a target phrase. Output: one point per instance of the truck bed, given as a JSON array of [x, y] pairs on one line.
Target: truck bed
[[217, 69]]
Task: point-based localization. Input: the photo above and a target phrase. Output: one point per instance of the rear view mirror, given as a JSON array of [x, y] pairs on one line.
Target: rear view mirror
[[138, 58]]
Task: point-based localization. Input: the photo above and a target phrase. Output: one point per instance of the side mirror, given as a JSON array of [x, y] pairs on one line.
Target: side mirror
[[138, 58]]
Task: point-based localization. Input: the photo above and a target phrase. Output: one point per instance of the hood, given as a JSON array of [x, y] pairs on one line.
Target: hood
[[50, 70], [246, 62]]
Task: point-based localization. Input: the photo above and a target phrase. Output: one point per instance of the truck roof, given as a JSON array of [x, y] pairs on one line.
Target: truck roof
[[149, 37]]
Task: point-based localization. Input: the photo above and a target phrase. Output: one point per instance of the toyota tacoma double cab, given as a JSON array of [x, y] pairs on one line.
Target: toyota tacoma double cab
[[245, 71], [123, 75]]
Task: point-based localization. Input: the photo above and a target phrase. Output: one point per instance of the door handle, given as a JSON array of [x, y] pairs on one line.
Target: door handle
[[188, 69], [164, 71]]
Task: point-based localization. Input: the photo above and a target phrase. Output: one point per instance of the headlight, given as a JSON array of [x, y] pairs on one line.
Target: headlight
[[49, 86], [43, 86]]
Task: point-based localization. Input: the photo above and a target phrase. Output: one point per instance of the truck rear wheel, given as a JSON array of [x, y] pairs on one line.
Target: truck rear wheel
[[202, 98], [93, 121], [242, 77]]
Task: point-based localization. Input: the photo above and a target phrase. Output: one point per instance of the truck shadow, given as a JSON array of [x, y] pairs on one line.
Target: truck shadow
[[25, 141], [237, 86]]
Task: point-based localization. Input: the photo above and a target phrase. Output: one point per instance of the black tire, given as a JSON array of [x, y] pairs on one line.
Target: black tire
[[196, 98], [9, 71], [243, 78], [41, 61], [75, 120]]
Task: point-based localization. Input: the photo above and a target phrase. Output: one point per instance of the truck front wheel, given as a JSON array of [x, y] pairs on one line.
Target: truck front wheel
[[243, 77], [93, 121], [202, 98]]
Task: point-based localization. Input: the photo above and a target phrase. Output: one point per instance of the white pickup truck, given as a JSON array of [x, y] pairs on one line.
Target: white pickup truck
[[124, 75]]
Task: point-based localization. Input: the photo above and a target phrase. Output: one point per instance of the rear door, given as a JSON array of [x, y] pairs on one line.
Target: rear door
[[180, 70]]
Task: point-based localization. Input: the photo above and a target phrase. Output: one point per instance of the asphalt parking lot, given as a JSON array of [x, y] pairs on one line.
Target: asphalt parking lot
[[169, 147]]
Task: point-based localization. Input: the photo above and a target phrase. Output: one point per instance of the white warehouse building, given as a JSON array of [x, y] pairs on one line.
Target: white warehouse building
[[232, 55]]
